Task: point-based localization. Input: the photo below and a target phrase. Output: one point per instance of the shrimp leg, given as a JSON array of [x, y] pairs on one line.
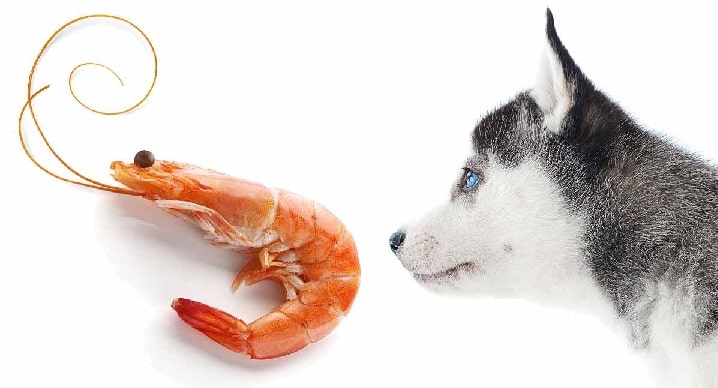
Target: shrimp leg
[[253, 272], [217, 229], [220, 232]]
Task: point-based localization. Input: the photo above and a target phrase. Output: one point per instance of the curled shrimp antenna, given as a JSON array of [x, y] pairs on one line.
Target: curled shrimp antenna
[[88, 182]]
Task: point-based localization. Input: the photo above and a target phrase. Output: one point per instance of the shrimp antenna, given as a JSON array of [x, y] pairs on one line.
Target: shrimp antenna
[[31, 96]]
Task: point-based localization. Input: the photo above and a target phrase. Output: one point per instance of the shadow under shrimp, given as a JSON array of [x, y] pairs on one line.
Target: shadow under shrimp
[[144, 244], [141, 220]]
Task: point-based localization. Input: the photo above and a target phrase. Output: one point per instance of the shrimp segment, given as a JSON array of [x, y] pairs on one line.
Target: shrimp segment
[[290, 239]]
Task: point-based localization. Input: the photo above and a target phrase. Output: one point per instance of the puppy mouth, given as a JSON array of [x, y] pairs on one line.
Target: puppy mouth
[[445, 274]]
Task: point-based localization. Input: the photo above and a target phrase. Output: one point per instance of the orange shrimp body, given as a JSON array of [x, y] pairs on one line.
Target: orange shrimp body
[[289, 239]]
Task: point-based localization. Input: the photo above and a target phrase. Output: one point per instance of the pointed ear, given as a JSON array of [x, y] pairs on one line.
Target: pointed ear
[[559, 81]]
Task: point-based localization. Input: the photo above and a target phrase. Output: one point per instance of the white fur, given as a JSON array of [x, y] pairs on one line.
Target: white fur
[[553, 92], [705, 360], [516, 229], [676, 360]]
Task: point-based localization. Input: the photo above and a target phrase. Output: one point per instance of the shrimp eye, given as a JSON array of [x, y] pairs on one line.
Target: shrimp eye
[[470, 180], [144, 159]]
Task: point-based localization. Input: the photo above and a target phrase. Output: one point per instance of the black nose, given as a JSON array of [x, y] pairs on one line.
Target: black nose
[[396, 239]]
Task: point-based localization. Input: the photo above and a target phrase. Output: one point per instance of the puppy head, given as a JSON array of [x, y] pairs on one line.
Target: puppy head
[[507, 225]]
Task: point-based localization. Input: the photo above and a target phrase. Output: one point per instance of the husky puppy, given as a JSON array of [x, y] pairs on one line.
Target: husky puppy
[[566, 199]]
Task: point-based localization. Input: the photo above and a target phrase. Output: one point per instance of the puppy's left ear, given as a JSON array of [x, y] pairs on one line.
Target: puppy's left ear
[[560, 84]]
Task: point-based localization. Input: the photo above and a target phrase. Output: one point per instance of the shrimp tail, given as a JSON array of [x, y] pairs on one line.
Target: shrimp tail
[[282, 331], [223, 328]]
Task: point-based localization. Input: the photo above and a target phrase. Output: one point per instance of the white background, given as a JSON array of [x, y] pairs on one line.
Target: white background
[[366, 107]]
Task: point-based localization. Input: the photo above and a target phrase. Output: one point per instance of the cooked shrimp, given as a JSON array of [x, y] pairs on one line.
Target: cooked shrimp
[[290, 239]]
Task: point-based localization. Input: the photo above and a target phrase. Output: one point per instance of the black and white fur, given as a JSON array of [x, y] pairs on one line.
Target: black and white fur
[[578, 205]]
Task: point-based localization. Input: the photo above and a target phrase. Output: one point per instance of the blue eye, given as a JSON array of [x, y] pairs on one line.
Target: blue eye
[[471, 180]]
